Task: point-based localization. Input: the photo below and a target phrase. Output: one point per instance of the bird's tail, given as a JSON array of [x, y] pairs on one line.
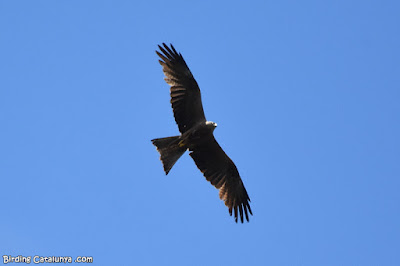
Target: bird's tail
[[170, 151]]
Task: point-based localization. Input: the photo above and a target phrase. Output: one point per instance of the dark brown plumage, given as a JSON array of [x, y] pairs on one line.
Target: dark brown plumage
[[197, 136]]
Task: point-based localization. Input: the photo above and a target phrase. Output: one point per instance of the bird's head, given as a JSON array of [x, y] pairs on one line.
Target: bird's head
[[211, 124]]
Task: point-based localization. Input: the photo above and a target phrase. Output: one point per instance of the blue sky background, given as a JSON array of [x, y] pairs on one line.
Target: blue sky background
[[306, 97]]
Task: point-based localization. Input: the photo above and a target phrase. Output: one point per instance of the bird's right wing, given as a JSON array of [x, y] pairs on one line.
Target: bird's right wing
[[185, 93], [222, 173]]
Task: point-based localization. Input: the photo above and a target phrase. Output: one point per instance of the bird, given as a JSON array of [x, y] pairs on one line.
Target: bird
[[196, 136]]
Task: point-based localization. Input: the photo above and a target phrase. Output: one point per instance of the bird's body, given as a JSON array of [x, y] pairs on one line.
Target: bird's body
[[197, 136]]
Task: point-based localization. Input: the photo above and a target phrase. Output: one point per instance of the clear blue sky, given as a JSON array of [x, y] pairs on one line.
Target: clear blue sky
[[306, 96]]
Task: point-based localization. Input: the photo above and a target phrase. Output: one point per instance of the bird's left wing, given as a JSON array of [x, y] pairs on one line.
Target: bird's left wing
[[185, 93], [220, 170]]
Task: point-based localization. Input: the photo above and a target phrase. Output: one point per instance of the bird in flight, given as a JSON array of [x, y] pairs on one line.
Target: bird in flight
[[197, 136]]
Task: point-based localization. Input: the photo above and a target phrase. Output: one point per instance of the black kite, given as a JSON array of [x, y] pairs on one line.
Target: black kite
[[197, 136]]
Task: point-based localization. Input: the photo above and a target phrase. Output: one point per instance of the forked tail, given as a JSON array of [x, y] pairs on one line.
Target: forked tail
[[169, 150]]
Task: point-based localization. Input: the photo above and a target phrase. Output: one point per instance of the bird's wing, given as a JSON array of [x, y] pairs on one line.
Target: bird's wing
[[220, 170], [185, 93]]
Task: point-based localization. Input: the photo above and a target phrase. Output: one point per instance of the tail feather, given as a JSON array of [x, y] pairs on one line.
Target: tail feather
[[169, 150]]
